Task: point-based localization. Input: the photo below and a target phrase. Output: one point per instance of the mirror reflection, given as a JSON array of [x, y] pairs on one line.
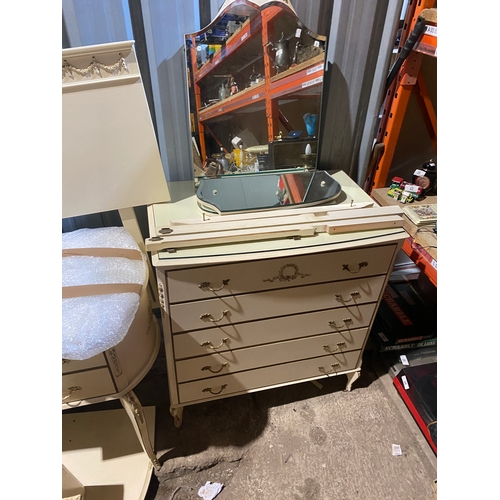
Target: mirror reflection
[[241, 193], [255, 78]]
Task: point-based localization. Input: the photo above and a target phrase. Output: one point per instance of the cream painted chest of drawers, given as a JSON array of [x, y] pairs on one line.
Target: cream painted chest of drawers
[[239, 318]]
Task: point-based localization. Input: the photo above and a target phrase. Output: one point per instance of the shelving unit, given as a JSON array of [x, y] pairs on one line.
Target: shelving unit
[[409, 81], [262, 106], [421, 244]]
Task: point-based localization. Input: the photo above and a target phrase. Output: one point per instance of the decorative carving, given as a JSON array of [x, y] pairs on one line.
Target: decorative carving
[[287, 277], [94, 67], [114, 362], [136, 407]]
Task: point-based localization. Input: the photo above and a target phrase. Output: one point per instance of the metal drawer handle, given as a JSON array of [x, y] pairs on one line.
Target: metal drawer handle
[[72, 389], [209, 317], [207, 343], [326, 372], [340, 345], [345, 267], [353, 295], [209, 368], [205, 285], [209, 389], [344, 323]]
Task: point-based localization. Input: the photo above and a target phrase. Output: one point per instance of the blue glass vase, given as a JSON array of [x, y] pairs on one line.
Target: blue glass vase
[[311, 122]]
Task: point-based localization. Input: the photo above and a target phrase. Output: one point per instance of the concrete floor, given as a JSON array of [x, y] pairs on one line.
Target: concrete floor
[[300, 442]]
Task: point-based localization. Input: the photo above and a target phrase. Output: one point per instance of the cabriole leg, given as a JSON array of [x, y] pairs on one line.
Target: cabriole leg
[[177, 414], [351, 378], [135, 412]]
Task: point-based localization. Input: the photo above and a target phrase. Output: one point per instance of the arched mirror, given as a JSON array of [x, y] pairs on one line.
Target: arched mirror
[[255, 81]]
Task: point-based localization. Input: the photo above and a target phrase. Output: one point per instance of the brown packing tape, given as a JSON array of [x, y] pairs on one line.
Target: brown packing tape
[[128, 253], [70, 292]]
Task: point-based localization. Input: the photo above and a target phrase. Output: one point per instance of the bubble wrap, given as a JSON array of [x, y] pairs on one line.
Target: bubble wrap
[[91, 325]]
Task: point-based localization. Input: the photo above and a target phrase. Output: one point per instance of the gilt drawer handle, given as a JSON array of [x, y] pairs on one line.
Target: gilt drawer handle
[[72, 389], [209, 368], [205, 285], [326, 372], [207, 343], [344, 323], [353, 295], [209, 317], [340, 345], [209, 389], [345, 267]]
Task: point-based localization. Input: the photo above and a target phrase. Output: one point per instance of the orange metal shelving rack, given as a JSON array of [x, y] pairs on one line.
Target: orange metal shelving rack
[[305, 75], [409, 80]]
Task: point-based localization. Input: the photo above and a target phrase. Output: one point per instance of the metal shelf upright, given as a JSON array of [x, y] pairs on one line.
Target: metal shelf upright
[[409, 80]]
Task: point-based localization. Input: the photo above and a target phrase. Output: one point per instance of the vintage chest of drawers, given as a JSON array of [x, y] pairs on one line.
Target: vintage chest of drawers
[[245, 317]]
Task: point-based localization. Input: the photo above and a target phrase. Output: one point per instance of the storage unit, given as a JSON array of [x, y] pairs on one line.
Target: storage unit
[[239, 318]]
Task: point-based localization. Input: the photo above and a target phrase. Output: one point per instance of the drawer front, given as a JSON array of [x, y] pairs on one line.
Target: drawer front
[[296, 300], [267, 355], [269, 376], [230, 337], [230, 279], [85, 385], [69, 366]]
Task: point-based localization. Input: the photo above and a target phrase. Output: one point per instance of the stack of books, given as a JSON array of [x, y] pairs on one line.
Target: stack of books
[[405, 318], [422, 214]]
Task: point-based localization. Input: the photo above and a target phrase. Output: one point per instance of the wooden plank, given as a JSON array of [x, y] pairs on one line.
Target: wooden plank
[[311, 218], [270, 213], [285, 231], [367, 224], [225, 237], [315, 219]]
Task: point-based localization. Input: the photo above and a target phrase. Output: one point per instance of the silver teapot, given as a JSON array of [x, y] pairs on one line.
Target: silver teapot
[[281, 59]]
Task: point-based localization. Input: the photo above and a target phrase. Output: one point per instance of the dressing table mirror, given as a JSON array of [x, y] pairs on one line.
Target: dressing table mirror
[[255, 82]]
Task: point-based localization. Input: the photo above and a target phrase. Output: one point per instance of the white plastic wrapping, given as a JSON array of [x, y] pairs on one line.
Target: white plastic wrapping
[[92, 324]]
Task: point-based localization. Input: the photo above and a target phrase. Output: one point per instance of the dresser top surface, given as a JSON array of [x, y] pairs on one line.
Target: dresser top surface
[[184, 206]]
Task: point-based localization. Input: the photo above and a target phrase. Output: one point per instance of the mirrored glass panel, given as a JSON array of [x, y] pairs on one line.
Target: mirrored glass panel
[[250, 192], [255, 79]]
